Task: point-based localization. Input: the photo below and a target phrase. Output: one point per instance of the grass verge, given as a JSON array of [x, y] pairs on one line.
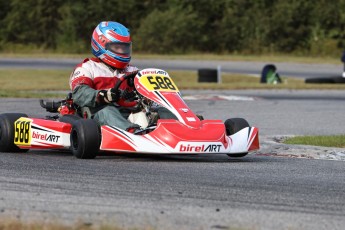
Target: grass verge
[[241, 57], [27, 83], [201, 56], [33, 83], [326, 141]]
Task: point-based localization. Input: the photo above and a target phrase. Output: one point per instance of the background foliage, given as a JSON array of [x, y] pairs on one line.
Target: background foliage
[[308, 27]]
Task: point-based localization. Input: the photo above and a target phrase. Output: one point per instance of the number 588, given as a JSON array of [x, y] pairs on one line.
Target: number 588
[[161, 82]]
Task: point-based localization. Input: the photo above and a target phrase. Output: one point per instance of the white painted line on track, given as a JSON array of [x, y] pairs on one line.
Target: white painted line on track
[[218, 97]]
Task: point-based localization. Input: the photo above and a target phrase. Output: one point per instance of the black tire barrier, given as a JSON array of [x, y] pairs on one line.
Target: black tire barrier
[[340, 80], [326, 80], [207, 75], [269, 75]]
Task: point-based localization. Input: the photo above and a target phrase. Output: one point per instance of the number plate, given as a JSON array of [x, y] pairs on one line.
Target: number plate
[[158, 82], [22, 131]]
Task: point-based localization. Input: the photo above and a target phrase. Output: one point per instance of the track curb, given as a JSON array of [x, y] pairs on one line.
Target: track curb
[[273, 146]]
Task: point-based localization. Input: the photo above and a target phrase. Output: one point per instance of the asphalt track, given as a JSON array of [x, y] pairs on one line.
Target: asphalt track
[[284, 69], [190, 192]]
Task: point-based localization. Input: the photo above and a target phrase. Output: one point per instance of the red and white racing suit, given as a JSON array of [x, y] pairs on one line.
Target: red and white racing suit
[[91, 76]]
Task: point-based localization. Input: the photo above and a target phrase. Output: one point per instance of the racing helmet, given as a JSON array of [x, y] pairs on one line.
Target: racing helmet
[[111, 42]]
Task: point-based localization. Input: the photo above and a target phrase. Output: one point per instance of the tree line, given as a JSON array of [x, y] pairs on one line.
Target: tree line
[[312, 27]]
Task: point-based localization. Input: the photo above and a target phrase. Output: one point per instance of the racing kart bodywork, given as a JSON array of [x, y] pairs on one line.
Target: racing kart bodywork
[[187, 134]]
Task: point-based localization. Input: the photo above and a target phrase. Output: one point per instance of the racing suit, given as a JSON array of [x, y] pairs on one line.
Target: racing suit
[[91, 76]]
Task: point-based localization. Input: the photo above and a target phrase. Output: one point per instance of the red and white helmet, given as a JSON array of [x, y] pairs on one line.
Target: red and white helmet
[[111, 42]]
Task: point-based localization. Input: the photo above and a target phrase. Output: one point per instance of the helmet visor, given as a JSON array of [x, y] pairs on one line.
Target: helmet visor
[[119, 47]]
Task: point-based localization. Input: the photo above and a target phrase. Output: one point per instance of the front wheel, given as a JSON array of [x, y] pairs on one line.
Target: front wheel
[[85, 139], [7, 132], [232, 126]]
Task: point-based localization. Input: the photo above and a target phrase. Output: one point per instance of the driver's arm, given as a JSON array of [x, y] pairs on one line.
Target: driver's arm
[[83, 96], [81, 84]]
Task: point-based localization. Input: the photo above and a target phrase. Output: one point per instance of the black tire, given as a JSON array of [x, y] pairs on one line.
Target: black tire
[[85, 139], [207, 75], [320, 80], [338, 80], [7, 132], [232, 126], [267, 68]]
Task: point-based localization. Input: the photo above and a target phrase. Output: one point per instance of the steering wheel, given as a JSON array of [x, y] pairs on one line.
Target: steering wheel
[[130, 81]]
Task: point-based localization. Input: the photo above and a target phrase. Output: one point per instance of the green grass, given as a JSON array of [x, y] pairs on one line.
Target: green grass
[[326, 141], [33, 83], [47, 83], [196, 56], [241, 57]]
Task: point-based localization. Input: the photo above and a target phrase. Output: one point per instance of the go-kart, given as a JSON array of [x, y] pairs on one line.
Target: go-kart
[[187, 134]]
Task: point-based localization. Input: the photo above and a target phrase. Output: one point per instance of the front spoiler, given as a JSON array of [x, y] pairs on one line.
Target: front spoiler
[[210, 138]]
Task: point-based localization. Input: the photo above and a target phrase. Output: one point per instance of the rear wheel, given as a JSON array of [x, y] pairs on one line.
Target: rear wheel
[[7, 132], [232, 126], [85, 139]]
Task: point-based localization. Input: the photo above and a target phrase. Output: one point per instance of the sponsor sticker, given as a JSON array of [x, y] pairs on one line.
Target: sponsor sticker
[[45, 137], [199, 147]]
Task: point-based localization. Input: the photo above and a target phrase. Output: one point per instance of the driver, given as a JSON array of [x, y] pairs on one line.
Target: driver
[[92, 81]]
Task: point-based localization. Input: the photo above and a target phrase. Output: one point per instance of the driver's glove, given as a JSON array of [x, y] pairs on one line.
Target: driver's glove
[[108, 96]]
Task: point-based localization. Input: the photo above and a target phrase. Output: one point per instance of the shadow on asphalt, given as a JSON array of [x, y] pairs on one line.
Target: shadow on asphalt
[[197, 158], [116, 157]]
